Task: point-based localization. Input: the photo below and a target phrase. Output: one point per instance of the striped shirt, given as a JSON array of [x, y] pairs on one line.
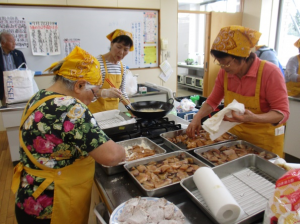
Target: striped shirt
[[8, 60], [113, 69]]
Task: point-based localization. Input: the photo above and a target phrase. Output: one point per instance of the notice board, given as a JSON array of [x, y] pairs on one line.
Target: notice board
[[89, 27]]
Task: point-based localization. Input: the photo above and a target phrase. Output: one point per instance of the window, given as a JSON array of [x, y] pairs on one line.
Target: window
[[288, 30]]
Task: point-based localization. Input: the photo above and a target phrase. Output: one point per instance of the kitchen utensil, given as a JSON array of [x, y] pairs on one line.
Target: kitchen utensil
[[158, 192], [142, 141], [251, 181], [150, 109], [182, 146], [201, 150], [123, 99]]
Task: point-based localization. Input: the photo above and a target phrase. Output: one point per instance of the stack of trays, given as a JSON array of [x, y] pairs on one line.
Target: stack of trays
[[158, 192], [250, 180], [141, 141]]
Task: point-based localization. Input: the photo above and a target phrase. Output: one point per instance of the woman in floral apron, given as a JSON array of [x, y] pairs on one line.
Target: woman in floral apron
[[60, 142]]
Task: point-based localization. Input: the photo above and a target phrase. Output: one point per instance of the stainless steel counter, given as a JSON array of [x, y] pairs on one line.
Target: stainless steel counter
[[295, 98], [118, 188]]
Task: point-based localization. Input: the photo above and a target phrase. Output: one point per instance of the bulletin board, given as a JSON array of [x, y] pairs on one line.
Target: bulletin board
[[89, 27]]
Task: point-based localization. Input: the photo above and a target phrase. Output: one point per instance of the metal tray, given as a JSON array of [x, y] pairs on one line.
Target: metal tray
[[251, 181], [158, 192], [110, 170], [198, 151], [181, 146]]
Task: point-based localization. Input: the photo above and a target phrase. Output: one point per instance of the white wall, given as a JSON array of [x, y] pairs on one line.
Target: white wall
[[168, 29], [261, 15]]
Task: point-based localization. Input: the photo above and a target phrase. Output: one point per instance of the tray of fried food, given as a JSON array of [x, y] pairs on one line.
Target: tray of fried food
[[160, 175], [136, 149], [218, 154], [178, 140]]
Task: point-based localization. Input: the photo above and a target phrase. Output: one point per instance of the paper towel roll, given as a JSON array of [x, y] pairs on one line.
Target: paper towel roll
[[219, 200]]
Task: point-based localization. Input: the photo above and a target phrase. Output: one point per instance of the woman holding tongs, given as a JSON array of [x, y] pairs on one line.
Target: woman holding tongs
[[113, 72]]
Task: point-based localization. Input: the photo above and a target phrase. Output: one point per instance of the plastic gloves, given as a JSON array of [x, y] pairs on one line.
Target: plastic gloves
[[111, 93]]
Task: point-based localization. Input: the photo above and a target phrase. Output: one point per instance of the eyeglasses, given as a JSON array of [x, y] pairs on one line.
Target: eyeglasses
[[224, 66], [95, 96]]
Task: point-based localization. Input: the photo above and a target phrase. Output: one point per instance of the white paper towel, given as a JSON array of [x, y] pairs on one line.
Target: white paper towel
[[219, 200], [215, 125]]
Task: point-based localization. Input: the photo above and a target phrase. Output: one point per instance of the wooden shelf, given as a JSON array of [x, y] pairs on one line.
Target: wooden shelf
[[189, 87], [193, 67]]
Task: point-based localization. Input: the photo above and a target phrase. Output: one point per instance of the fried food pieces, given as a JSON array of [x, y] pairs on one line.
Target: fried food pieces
[[162, 173], [201, 140]]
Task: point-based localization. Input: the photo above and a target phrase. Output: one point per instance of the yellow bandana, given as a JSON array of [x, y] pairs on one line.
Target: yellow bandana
[[119, 32], [236, 40], [80, 65], [297, 43]]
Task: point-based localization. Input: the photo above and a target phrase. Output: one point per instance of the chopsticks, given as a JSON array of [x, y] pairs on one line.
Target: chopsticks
[[123, 99]]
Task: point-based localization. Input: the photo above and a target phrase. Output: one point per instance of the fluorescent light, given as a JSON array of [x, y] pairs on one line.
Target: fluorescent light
[[190, 1]]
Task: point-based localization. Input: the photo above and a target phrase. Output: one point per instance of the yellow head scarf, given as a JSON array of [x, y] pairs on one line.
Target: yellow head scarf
[[297, 43], [236, 40], [119, 32], [80, 65]]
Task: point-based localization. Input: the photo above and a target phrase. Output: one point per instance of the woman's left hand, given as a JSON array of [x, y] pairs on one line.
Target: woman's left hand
[[248, 116]]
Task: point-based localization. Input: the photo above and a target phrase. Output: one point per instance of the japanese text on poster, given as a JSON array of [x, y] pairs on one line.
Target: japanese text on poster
[[17, 27], [150, 54], [70, 44], [44, 37], [150, 27], [137, 36]]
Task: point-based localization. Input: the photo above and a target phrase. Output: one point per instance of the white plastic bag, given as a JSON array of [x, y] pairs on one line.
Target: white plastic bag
[[19, 85], [131, 83]]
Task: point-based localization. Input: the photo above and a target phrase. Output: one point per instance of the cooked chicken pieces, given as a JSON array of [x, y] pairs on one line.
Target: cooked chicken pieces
[[165, 172], [198, 141], [146, 211], [225, 153], [138, 152]]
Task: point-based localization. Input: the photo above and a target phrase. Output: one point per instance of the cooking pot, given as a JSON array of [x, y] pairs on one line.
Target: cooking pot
[[150, 109]]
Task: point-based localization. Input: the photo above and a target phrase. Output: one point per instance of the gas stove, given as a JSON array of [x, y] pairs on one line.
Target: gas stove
[[151, 128]]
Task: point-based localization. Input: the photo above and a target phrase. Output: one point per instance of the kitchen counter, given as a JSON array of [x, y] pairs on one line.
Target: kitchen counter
[[118, 188]]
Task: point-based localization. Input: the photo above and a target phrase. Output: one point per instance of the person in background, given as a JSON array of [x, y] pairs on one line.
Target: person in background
[[113, 69], [60, 142], [10, 59], [268, 54], [255, 83], [292, 73]]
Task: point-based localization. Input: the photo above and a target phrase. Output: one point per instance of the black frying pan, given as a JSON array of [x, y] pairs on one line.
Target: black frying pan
[[150, 106]]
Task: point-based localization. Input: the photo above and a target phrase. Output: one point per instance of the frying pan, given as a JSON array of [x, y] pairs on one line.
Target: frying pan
[[138, 107]]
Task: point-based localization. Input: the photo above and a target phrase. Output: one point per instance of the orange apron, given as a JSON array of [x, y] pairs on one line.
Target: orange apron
[[293, 88], [104, 104], [72, 184], [259, 134]]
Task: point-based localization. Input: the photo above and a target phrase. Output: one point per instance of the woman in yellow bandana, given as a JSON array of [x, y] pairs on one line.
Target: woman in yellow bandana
[[292, 73], [258, 84], [60, 142], [113, 69]]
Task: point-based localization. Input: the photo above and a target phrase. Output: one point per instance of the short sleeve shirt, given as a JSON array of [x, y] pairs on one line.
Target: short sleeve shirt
[[57, 133]]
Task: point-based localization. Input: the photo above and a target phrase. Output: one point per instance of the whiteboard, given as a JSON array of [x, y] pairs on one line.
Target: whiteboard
[[90, 25]]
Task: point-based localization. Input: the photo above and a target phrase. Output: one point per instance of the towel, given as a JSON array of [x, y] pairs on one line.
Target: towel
[[215, 125]]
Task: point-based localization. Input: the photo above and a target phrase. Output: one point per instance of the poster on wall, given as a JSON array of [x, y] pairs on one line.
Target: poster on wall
[[44, 37], [17, 27], [70, 44]]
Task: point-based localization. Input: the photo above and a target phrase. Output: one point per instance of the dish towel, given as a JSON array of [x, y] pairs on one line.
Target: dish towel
[[215, 125]]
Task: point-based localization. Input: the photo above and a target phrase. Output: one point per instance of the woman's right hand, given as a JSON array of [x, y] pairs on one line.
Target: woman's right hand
[[194, 127], [110, 93]]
